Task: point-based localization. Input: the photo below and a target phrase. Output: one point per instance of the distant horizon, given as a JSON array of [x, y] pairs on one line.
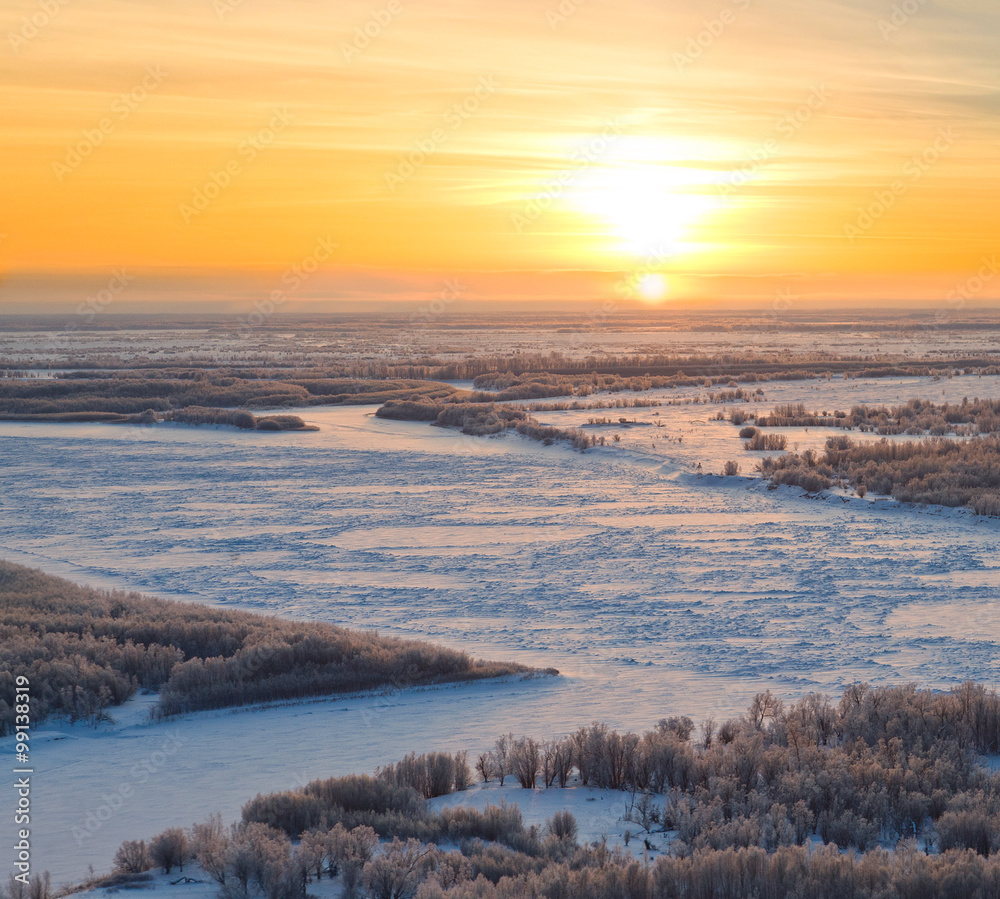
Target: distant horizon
[[132, 291]]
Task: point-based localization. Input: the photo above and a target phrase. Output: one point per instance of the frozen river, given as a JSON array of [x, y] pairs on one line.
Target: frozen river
[[653, 590]]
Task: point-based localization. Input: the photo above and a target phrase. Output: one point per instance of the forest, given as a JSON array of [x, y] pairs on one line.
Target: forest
[[501, 371], [484, 419], [762, 805], [111, 387], [192, 396], [86, 651], [934, 470], [917, 417]]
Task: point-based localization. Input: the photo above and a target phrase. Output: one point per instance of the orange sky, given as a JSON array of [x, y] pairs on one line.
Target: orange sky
[[531, 148]]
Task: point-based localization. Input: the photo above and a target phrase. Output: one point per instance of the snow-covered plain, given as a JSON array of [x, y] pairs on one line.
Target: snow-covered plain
[[653, 589]]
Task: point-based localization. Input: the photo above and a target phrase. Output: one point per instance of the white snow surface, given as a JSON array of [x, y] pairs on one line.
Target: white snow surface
[[654, 590]]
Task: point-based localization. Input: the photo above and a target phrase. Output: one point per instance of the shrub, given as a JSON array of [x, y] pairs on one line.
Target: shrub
[[170, 849], [525, 760], [433, 774], [562, 825], [769, 442], [933, 470], [210, 844], [410, 410], [878, 767], [132, 857]]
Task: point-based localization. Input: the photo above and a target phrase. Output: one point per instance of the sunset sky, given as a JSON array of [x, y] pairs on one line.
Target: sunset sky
[[663, 151]]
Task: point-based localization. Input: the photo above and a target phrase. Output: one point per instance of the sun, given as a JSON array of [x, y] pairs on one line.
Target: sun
[[653, 287]]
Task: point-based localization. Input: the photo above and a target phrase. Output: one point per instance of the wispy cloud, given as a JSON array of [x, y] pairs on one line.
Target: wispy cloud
[[354, 117]]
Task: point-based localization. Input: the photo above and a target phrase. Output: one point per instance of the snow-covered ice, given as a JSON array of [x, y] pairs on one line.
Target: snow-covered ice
[[654, 590]]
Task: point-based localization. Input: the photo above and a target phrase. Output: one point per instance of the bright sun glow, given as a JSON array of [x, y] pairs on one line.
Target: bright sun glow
[[653, 287], [649, 205]]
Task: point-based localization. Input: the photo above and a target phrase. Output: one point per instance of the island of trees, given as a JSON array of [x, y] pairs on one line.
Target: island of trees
[[86, 651]]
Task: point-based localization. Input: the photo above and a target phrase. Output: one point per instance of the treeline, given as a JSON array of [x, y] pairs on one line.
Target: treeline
[[194, 415], [739, 805], [240, 418], [85, 651], [534, 385], [935, 470], [170, 391], [683, 370], [576, 405], [132, 393], [882, 765], [253, 860], [534, 372], [483, 419], [970, 417]]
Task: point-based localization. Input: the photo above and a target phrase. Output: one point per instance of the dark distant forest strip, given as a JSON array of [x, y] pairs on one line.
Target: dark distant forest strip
[[86, 651], [745, 367], [494, 370]]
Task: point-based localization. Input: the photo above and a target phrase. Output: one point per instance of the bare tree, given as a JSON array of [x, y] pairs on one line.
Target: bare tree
[[502, 755], [764, 706], [170, 849], [525, 760], [210, 846], [132, 857], [486, 766]]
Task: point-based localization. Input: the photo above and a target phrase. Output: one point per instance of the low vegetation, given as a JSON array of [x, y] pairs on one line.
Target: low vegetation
[[769, 442], [642, 371], [729, 812], [615, 403], [86, 651], [198, 415], [935, 470], [483, 419], [221, 397], [917, 417]]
